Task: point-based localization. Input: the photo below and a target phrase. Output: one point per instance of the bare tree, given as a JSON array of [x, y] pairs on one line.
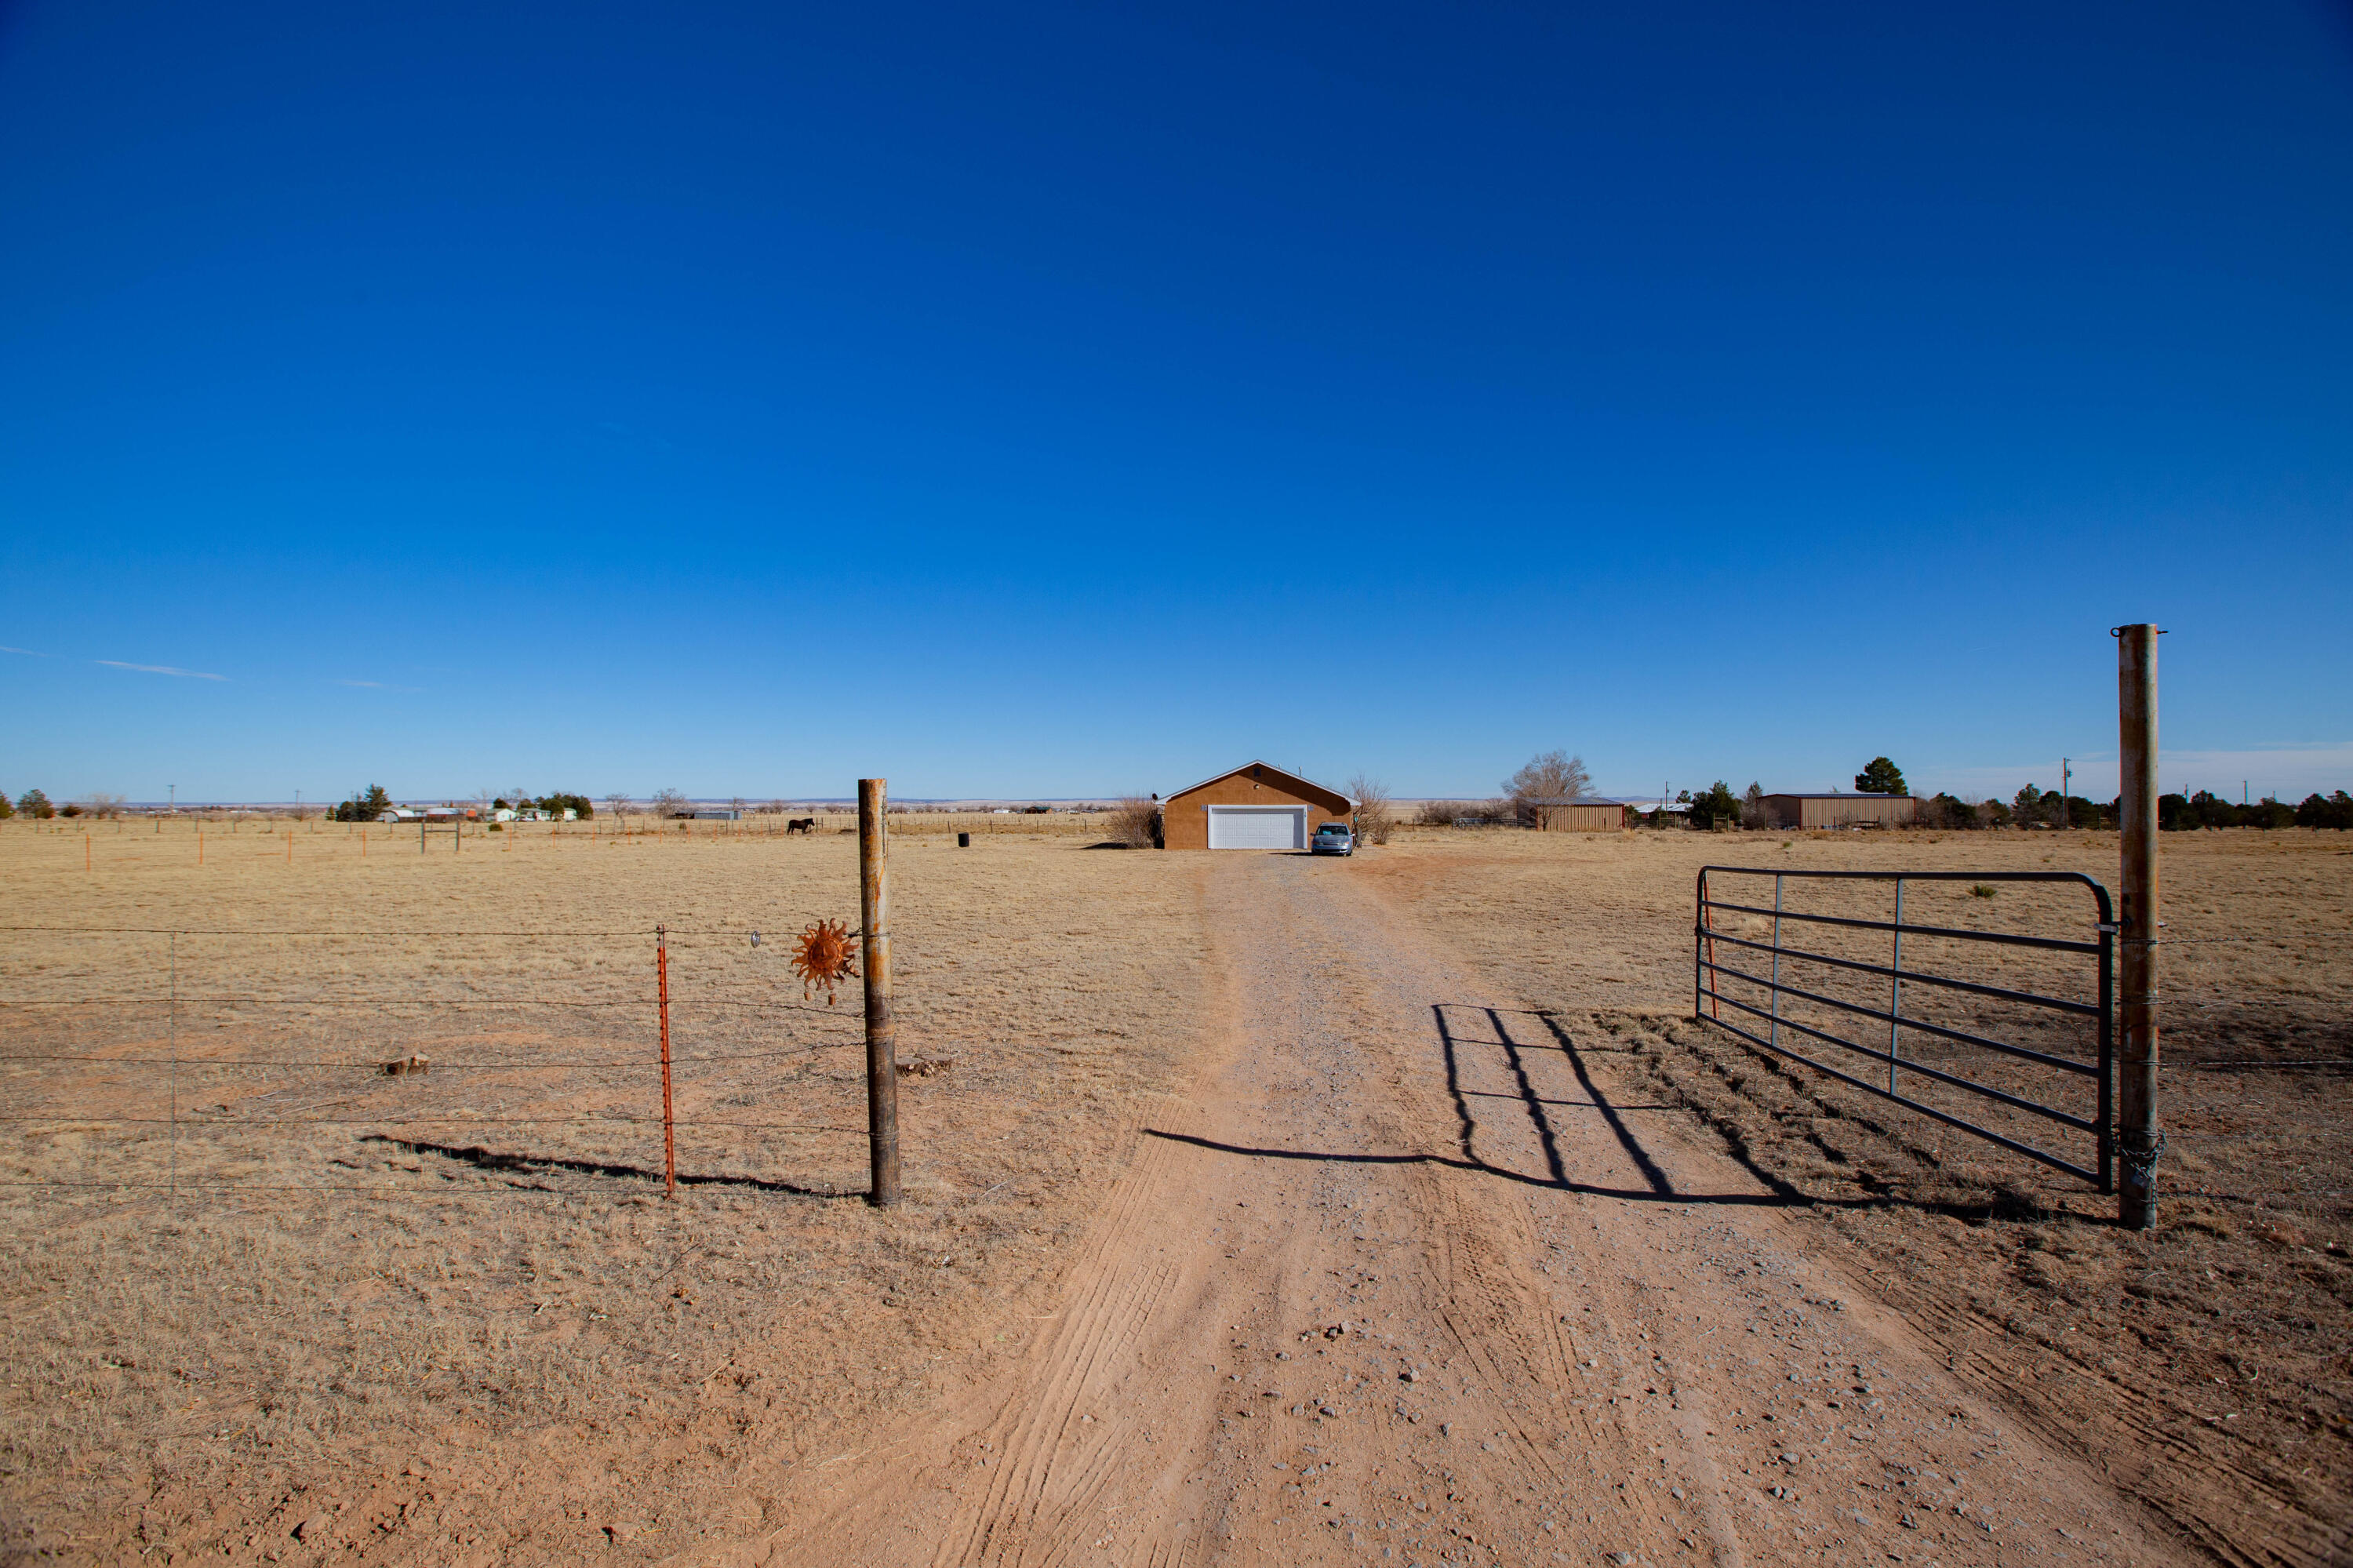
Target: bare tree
[[100, 804], [1374, 817], [619, 804], [1549, 776], [1752, 807], [668, 803], [737, 805]]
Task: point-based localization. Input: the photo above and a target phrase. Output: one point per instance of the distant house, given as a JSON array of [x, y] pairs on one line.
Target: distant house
[[1255, 806], [1574, 814], [1837, 810]]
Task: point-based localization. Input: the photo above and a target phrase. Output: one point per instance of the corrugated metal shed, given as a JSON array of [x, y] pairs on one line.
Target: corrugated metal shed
[[1579, 814], [1836, 811]]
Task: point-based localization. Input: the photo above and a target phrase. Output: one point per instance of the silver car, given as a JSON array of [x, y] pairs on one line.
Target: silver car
[[1332, 838]]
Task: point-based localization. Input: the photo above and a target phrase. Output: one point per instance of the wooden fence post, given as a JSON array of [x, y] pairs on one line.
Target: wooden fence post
[[2138, 1142], [882, 1063]]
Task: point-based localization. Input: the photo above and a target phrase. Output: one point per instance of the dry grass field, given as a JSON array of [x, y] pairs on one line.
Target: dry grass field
[[269, 1304], [459, 1296]]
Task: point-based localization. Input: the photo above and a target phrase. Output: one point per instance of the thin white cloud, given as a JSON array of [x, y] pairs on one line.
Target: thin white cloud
[[159, 670], [28, 653], [371, 685]]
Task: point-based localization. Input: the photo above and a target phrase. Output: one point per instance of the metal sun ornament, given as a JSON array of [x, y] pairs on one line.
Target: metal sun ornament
[[824, 956]]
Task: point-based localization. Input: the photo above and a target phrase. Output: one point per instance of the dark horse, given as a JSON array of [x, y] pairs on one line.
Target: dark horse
[[801, 825]]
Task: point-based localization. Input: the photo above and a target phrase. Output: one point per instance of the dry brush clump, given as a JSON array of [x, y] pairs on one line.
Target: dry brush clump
[[1459, 813], [1136, 821], [1374, 814]]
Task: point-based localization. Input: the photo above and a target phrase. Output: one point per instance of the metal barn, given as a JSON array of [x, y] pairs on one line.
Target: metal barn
[[1836, 811]]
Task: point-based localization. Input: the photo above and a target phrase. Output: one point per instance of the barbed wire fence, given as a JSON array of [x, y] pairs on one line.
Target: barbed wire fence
[[224, 1061]]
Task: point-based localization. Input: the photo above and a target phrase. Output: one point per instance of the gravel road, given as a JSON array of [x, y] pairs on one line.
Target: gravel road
[[1405, 1277]]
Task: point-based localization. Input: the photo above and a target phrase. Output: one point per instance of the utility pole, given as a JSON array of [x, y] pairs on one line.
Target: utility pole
[[2063, 777], [2138, 1142], [881, 1060]]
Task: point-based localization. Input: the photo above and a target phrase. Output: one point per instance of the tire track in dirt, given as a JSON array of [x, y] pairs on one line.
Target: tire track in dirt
[[1309, 1326]]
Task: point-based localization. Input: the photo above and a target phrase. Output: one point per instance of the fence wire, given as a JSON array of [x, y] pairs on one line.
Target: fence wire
[[221, 1061]]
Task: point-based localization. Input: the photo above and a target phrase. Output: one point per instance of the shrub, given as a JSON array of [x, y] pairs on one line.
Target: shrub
[[1719, 804], [2177, 813], [1136, 821], [2334, 812], [561, 802], [363, 808], [8, 807], [1944, 810], [32, 803]]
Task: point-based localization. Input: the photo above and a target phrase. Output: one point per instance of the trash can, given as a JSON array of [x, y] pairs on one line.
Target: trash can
[[964, 840]]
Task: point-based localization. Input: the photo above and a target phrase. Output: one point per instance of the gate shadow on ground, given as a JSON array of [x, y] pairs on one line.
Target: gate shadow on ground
[[1453, 1039], [529, 1164]]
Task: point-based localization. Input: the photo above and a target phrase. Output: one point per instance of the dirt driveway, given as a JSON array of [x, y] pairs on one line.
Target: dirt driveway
[[1409, 1275]]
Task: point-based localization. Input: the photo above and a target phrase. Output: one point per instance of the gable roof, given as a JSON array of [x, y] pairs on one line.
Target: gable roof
[[1267, 772]]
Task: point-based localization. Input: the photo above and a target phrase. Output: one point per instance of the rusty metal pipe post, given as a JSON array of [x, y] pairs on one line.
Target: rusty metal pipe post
[[882, 1062], [661, 984], [1699, 954], [2138, 1142]]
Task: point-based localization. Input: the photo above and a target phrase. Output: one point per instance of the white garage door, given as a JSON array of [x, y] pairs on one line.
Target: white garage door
[[1258, 826]]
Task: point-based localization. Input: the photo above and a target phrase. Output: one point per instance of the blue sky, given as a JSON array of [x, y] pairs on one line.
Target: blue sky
[[1057, 401]]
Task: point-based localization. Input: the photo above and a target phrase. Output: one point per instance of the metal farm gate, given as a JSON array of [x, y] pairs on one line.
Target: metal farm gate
[[1990, 1031]]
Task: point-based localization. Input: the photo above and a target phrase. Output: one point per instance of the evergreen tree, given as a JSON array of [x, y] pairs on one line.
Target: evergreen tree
[[1880, 777], [365, 808]]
